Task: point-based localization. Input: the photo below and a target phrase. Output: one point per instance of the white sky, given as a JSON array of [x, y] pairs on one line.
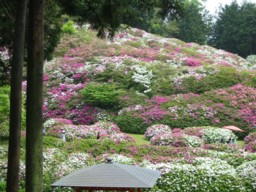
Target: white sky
[[213, 5]]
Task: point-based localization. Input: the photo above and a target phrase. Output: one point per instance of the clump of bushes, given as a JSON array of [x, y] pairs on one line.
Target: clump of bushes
[[176, 140], [101, 95], [250, 142], [156, 129]]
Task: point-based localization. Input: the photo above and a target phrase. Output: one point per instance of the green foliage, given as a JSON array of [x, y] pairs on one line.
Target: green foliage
[[83, 145], [101, 95], [52, 142], [68, 27], [235, 29], [194, 26], [130, 124], [226, 77], [2, 185], [107, 146], [4, 111], [108, 15]]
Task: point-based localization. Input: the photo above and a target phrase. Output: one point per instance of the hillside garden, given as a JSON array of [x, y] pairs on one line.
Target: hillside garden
[[100, 95]]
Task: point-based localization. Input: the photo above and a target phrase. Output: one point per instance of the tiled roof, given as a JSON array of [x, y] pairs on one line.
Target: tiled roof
[[110, 175]]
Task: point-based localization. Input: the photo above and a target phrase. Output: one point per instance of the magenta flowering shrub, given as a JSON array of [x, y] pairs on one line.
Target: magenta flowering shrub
[[193, 62], [156, 129], [251, 147], [250, 138], [250, 142], [121, 137]]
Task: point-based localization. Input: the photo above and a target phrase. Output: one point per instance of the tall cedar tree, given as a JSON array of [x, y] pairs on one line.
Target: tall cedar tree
[[34, 121], [16, 98]]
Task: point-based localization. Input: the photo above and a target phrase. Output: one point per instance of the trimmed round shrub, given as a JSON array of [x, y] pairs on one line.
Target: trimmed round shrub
[[250, 138], [55, 124], [176, 140], [195, 131], [101, 95], [110, 127], [251, 147], [130, 124], [73, 132], [156, 130], [121, 137], [206, 175], [217, 135], [247, 171]]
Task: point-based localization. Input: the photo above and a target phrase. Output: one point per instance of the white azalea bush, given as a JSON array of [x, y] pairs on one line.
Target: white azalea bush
[[205, 175], [247, 171], [116, 158], [217, 135], [57, 164], [156, 130]]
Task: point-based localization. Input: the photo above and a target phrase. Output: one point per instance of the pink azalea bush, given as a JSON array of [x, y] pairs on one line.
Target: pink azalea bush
[[195, 131], [176, 140], [156, 130], [121, 137], [193, 62], [250, 142], [110, 127], [250, 138]]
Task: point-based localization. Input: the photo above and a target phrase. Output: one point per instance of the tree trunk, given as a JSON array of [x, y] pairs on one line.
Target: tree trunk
[[16, 98], [34, 146]]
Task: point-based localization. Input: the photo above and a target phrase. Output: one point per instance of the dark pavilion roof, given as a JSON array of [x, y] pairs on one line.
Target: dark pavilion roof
[[110, 175]]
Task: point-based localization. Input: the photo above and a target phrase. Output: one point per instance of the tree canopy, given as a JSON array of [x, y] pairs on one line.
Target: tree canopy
[[235, 29]]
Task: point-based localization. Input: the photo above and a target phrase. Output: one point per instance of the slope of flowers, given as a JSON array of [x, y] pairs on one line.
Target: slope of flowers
[[154, 80]]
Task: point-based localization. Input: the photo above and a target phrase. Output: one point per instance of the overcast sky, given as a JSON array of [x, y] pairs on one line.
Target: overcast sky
[[212, 5]]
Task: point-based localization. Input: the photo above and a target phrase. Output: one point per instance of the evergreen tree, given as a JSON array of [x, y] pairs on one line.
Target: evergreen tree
[[235, 29]]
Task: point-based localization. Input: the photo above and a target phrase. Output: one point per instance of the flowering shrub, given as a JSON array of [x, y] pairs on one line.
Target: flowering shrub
[[110, 127], [247, 171], [250, 138], [156, 130], [73, 132], [251, 147], [218, 135], [143, 77], [193, 62], [120, 137], [195, 131], [176, 140], [204, 175]]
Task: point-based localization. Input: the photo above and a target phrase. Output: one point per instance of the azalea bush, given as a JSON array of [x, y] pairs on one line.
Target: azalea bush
[[121, 137], [218, 135], [204, 175], [110, 127], [156, 129], [247, 172], [251, 147], [73, 132], [176, 140]]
